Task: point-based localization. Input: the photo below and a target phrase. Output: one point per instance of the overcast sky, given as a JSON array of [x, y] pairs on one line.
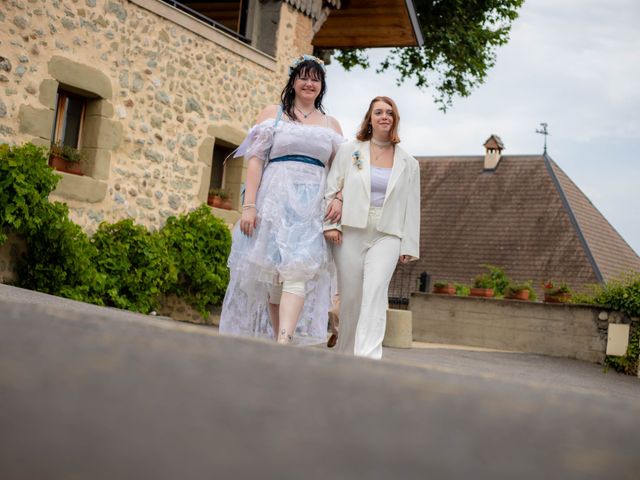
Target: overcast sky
[[574, 64]]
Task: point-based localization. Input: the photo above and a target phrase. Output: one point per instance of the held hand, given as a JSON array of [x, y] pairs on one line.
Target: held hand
[[334, 211], [248, 221], [333, 236], [405, 258]]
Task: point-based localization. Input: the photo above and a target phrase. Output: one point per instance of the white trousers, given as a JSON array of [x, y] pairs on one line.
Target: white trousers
[[366, 261]]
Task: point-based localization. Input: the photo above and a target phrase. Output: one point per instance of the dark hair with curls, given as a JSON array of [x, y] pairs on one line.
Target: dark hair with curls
[[308, 68], [365, 132]]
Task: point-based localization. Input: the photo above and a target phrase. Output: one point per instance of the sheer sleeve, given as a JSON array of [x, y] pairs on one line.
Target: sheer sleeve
[[258, 141]]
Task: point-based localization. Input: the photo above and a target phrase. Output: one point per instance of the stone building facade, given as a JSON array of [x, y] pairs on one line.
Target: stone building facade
[[162, 93], [156, 96]]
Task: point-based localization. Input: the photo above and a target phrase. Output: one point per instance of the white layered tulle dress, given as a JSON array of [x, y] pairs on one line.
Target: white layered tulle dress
[[288, 243]]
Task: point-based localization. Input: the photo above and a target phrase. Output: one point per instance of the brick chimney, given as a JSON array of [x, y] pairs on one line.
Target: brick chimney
[[494, 147]]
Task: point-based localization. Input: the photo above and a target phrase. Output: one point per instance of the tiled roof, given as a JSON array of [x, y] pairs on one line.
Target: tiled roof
[[515, 217]]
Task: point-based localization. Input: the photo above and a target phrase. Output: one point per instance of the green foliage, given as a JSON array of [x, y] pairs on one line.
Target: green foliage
[[498, 277], [60, 258], [219, 192], [483, 280], [622, 295], [123, 265], [442, 283], [462, 290], [136, 265], [25, 184], [199, 244], [495, 278], [66, 152], [514, 287], [460, 41]]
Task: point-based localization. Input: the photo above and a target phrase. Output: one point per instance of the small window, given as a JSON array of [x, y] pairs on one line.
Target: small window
[[220, 153], [67, 132], [67, 128]]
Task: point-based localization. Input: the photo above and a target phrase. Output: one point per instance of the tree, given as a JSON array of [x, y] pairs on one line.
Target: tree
[[460, 41]]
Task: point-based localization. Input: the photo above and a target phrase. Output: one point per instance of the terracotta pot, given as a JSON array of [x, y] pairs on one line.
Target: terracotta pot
[[214, 201], [557, 297], [481, 292], [226, 204], [63, 165], [519, 295], [446, 290]]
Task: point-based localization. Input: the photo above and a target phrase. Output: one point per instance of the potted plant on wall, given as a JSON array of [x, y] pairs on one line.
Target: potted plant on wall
[[444, 287], [482, 286], [520, 291], [65, 158], [219, 198], [556, 292]]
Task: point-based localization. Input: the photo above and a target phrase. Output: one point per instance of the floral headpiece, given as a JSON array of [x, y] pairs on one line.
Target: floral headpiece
[[304, 58]]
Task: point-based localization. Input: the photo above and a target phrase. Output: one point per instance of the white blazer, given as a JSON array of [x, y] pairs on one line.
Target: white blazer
[[351, 173]]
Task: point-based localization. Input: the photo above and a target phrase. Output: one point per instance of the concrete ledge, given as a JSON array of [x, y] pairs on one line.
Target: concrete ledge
[[81, 188], [230, 217], [398, 332], [227, 133], [562, 330]]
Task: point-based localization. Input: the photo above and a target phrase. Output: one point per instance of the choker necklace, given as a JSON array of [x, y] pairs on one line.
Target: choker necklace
[[380, 144], [305, 115]]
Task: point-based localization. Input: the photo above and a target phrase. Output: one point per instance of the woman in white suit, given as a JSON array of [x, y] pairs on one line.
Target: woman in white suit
[[375, 186]]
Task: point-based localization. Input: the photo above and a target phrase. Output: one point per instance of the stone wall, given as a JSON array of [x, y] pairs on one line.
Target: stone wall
[[563, 330], [164, 88]]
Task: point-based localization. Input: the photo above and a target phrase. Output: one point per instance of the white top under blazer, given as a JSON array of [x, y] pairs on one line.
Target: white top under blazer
[[351, 173]]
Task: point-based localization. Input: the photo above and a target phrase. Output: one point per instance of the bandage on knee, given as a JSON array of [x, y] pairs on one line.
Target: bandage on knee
[[294, 287]]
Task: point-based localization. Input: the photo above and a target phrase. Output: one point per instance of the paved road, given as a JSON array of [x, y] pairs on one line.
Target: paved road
[[95, 393]]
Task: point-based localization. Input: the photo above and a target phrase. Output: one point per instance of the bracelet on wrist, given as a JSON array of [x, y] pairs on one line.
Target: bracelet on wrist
[[339, 199], [247, 206]]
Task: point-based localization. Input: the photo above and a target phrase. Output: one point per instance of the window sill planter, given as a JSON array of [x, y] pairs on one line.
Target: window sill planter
[[66, 166], [518, 295], [445, 290], [217, 202], [481, 292], [557, 297]]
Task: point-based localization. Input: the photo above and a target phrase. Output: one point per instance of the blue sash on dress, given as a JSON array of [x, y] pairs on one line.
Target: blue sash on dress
[[298, 158]]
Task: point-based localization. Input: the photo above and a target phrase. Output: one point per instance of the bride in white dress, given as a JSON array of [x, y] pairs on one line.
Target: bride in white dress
[[279, 261]]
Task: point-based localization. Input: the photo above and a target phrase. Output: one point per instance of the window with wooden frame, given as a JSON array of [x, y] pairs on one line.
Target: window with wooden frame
[[67, 132]]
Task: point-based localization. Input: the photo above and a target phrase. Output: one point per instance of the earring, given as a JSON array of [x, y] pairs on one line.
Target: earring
[[369, 129]]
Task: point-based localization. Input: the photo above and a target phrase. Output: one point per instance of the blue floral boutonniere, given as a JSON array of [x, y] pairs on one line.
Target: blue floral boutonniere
[[357, 161]]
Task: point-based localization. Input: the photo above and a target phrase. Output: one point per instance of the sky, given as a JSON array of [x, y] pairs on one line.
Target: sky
[[574, 64]]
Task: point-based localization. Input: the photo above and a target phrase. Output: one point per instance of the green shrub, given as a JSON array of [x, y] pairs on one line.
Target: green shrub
[[628, 363], [462, 289], [442, 284], [136, 265], [199, 244], [498, 278], [622, 295], [60, 259], [483, 280], [123, 265], [25, 184]]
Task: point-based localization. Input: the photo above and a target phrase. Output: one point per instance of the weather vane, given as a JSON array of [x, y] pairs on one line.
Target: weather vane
[[544, 132]]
